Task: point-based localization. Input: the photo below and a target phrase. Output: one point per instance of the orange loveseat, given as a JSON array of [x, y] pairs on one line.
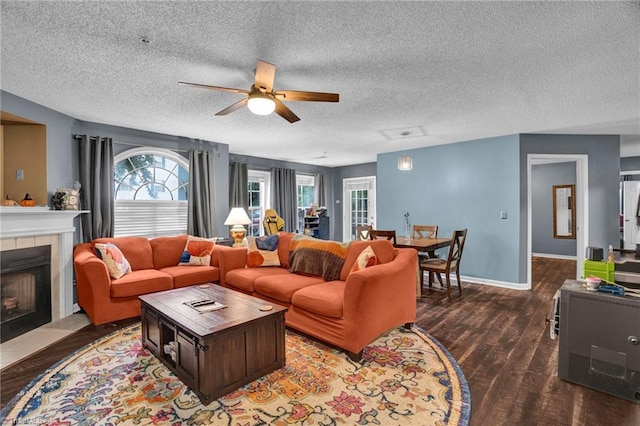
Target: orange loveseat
[[154, 265], [349, 312]]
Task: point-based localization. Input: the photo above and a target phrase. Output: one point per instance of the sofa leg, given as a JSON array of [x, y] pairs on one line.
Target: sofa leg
[[406, 326], [355, 357]]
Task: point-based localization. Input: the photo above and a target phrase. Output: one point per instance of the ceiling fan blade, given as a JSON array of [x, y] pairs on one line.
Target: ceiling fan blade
[[233, 107], [265, 74], [283, 111], [222, 89], [295, 95]]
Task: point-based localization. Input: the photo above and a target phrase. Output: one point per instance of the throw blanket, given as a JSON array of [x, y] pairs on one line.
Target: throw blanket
[[321, 258]]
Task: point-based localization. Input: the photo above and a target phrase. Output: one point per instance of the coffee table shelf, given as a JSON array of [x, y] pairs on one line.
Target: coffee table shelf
[[216, 352]]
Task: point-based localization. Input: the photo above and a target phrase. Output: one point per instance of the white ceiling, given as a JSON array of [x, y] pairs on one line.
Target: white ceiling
[[446, 71]]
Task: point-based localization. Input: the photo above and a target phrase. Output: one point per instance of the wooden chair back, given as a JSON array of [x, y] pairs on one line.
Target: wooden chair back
[[363, 232], [377, 234], [425, 231], [455, 250]]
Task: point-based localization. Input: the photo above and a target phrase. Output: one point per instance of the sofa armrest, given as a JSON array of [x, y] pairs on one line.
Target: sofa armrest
[[380, 297], [92, 277], [231, 258]]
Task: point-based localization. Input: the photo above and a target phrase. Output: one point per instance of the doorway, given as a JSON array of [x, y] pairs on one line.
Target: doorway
[[359, 195], [630, 210], [581, 201]]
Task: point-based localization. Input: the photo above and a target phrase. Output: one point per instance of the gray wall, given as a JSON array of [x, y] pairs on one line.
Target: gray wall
[[603, 153], [543, 177], [630, 163], [455, 186]]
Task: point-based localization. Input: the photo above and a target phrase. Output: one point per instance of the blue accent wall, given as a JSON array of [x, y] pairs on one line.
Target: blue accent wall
[[455, 186]]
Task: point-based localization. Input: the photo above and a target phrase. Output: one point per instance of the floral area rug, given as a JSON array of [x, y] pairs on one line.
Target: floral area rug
[[404, 378]]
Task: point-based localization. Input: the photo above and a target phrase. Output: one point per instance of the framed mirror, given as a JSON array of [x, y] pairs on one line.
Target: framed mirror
[[564, 211]]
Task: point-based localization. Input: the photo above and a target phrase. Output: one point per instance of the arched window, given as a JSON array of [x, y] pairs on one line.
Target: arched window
[[151, 187]]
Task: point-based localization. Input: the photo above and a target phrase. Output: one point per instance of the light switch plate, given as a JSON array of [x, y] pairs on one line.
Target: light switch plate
[[503, 214]]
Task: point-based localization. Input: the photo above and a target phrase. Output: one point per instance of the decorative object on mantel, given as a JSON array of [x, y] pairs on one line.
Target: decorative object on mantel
[[66, 199], [27, 201], [9, 203]]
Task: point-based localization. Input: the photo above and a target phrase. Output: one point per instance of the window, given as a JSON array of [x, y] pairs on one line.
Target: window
[[259, 186], [305, 184], [151, 186]]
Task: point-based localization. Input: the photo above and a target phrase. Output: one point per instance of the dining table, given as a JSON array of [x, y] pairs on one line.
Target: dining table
[[428, 245]]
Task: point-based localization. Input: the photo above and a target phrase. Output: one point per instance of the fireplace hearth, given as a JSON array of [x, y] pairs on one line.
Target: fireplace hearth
[[25, 290]]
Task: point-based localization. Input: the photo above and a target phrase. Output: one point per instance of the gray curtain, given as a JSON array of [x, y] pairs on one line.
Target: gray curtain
[[97, 190], [200, 219], [320, 190], [239, 185], [284, 195]]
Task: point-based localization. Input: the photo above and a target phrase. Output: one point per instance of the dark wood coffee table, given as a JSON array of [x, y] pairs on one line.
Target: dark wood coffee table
[[214, 352]]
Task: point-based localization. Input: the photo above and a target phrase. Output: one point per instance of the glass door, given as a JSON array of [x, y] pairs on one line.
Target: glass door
[[359, 195]]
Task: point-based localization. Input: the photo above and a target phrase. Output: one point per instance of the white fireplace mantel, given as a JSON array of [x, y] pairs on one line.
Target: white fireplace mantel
[[20, 223]]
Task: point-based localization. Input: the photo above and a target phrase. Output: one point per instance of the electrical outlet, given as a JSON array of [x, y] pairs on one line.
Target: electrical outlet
[[19, 174]]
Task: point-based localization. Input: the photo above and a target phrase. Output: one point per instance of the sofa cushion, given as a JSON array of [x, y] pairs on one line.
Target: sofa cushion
[[320, 258], [281, 287], [383, 248], [184, 276], [366, 258], [322, 299], [167, 251], [243, 279], [137, 250], [284, 247], [141, 282], [111, 255], [197, 251], [257, 257]]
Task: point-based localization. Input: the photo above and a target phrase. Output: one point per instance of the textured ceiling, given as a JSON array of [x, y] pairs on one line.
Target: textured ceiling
[[446, 71]]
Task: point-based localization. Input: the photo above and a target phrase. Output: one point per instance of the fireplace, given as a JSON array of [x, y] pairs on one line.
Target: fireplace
[[25, 290]]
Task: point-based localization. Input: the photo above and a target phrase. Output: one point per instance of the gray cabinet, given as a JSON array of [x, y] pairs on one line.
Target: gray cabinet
[[600, 341]]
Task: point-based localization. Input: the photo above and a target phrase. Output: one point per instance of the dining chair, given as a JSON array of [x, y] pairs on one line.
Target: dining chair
[[363, 232], [448, 265], [427, 231], [377, 234]]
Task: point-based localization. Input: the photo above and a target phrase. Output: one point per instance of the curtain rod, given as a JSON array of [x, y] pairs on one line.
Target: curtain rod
[[135, 144]]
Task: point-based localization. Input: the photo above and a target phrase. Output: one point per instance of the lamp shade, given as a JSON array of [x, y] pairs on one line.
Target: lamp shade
[[260, 104], [237, 216], [405, 163]]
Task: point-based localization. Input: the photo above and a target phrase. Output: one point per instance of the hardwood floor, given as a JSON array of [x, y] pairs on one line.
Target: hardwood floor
[[499, 337]]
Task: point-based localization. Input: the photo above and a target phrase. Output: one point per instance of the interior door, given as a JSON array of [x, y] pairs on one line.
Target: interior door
[[359, 200], [630, 227]]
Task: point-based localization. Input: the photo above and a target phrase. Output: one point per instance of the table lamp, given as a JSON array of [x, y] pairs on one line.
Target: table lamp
[[237, 219]]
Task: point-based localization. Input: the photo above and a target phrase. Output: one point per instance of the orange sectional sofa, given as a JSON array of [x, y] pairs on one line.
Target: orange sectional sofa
[[154, 265], [349, 312]]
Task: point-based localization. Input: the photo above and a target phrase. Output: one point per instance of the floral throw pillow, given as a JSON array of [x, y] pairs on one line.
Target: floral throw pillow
[[263, 251], [197, 252], [111, 255], [366, 258]]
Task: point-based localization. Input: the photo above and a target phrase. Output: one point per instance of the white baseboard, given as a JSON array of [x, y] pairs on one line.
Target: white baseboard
[[554, 256], [494, 283]]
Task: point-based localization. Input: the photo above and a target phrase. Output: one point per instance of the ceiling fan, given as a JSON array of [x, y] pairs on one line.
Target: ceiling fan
[[261, 99]]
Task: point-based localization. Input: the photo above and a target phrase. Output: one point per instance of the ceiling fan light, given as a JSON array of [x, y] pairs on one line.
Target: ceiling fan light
[[261, 104]]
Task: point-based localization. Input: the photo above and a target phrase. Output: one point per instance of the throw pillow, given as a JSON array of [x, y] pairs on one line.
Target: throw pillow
[[111, 255], [257, 257], [366, 258], [268, 242], [197, 252]]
